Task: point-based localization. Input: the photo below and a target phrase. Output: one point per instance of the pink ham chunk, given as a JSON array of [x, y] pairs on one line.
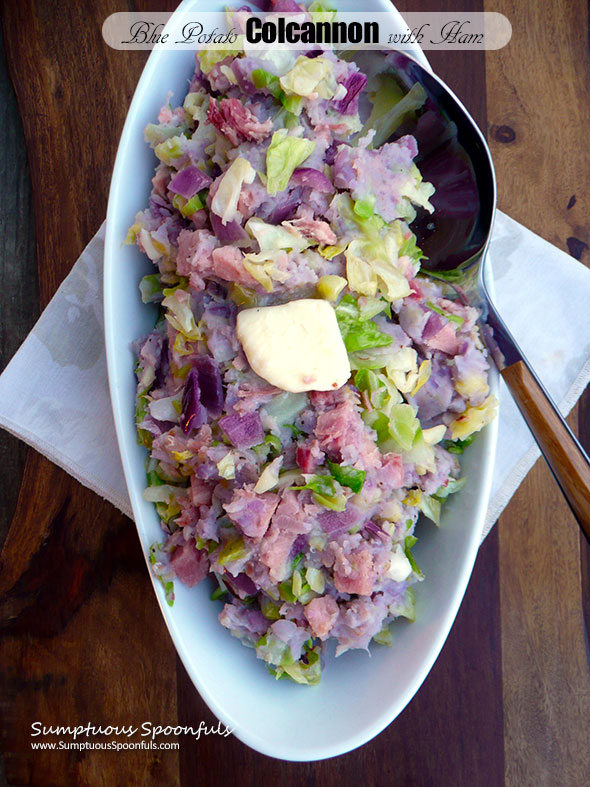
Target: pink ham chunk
[[288, 522], [190, 564], [251, 512], [236, 122], [309, 456], [391, 473], [317, 230], [194, 257], [228, 265], [354, 571], [342, 434], [321, 614], [445, 340]]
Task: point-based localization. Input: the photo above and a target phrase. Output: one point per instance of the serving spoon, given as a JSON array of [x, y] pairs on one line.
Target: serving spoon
[[455, 158]]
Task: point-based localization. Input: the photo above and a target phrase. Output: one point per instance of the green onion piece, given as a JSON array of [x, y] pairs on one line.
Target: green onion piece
[[269, 608], [274, 443], [348, 476], [286, 592], [409, 542], [457, 446], [234, 549], [451, 317], [218, 593]]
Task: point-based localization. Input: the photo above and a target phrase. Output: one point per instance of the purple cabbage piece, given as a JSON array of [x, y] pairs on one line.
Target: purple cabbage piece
[[330, 154], [285, 7], [210, 385], [307, 176], [188, 181], [159, 207], [155, 427], [228, 233], [243, 431], [240, 585], [286, 209], [193, 413], [163, 367], [299, 545], [433, 325], [220, 310], [354, 84], [333, 522], [375, 530]]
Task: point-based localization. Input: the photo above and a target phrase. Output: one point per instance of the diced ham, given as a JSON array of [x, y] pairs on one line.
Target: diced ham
[[354, 571], [236, 122], [200, 492], [189, 514], [252, 196], [391, 473], [194, 258], [251, 512], [343, 434], [160, 180], [324, 400], [309, 455], [288, 522], [190, 564], [228, 265], [445, 340], [416, 293], [321, 614], [313, 228]]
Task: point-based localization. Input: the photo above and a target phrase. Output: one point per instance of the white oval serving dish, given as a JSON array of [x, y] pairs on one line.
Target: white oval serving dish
[[359, 694]]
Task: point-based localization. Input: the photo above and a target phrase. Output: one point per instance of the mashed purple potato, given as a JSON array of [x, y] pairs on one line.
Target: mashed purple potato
[[301, 506]]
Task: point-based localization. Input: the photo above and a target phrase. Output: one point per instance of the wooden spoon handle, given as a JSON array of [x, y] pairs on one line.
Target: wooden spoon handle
[[564, 455]]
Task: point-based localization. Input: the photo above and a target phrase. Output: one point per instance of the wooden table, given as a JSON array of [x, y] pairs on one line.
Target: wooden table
[[508, 701]]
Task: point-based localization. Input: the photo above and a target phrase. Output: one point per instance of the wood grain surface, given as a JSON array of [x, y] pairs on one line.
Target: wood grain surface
[[508, 701]]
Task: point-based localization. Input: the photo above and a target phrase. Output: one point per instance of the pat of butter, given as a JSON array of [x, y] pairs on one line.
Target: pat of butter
[[399, 566], [296, 346]]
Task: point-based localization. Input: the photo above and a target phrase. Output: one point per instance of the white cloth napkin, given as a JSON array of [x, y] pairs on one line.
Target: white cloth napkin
[[54, 392]]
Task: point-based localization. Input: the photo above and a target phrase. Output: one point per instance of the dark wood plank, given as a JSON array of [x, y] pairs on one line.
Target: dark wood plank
[[584, 432], [83, 638], [19, 299], [538, 118]]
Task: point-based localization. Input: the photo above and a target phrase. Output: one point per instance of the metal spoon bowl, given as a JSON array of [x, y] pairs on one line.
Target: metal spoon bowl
[[454, 156]]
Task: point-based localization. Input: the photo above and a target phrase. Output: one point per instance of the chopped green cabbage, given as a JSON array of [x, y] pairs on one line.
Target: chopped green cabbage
[[284, 154], [310, 77], [225, 201], [180, 314]]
